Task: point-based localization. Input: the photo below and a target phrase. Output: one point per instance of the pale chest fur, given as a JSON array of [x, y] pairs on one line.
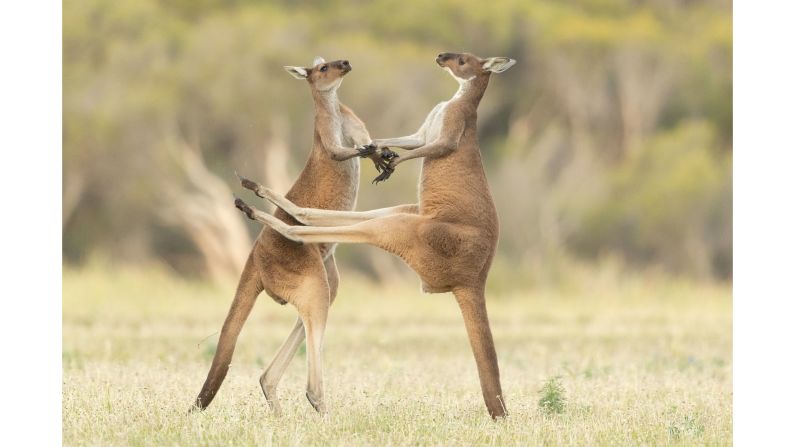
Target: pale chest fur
[[343, 135], [434, 122]]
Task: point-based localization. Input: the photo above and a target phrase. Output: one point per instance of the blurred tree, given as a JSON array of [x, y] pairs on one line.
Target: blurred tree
[[611, 135]]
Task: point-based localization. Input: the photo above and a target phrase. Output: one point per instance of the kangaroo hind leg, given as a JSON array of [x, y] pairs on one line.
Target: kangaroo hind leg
[[473, 308], [274, 372], [313, 308], [249, 287]]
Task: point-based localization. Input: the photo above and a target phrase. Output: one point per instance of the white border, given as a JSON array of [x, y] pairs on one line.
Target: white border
[[30, 236], [764, 222]]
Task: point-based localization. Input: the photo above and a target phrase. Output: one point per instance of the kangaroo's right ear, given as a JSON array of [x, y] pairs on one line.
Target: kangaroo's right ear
[[498, 64], [297, 72]]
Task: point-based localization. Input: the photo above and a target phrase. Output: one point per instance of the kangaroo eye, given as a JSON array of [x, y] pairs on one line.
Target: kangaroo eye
[[460, 61], [324, 68]]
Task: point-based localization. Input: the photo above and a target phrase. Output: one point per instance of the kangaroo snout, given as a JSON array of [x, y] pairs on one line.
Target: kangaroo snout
[[442, 57]]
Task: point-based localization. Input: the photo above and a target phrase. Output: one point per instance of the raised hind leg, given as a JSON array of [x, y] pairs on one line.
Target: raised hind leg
[[394, 233], [322, 217]]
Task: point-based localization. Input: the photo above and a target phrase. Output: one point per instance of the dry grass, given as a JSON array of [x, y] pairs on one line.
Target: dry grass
[[640, 363]]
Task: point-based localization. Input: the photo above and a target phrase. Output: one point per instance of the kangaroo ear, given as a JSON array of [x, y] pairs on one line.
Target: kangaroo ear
[[318, 60], [498, 64], [297, 72]]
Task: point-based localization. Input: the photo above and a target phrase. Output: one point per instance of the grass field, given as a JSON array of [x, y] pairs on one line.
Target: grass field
[[631, 362]]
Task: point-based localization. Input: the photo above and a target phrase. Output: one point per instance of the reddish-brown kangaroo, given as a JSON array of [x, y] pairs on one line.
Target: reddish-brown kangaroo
[[304, 275], [450, 236]]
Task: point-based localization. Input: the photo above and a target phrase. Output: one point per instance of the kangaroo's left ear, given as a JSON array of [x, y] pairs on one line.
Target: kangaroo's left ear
[[297, 72], [498, 64], [318, 60]]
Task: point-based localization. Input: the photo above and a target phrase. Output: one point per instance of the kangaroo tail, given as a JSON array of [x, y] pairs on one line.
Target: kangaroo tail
[[248, 288]]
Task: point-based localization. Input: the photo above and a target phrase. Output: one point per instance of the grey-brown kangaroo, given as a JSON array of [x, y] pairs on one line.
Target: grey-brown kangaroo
[[450, 236], [304, 275]]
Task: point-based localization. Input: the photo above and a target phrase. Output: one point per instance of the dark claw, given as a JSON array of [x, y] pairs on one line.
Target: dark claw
[[241, 205], [381, 165], [384, 175]]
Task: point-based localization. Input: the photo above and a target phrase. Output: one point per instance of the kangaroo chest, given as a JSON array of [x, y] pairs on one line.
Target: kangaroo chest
[[434, 122]]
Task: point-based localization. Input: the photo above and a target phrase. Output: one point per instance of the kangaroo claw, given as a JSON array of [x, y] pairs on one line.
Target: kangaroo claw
[[387, 172]]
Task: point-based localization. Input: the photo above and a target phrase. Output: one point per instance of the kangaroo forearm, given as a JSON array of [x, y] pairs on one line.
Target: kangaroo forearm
[[408, 143], [436, 149], [340, 153], [360, 137]]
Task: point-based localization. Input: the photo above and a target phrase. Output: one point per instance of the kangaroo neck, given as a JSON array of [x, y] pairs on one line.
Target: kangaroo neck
[[326, 102], [471, 91]]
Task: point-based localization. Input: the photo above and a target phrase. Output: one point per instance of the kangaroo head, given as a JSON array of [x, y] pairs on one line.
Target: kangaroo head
[[465, 67], [322, 76]]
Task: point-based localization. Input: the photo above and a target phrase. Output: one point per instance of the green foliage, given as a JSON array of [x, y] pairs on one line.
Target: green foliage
[[553, 397], [661, 202]]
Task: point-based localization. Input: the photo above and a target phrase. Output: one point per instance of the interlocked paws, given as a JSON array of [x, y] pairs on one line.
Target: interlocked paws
[[388, 155], [385, 164], [386, 172]]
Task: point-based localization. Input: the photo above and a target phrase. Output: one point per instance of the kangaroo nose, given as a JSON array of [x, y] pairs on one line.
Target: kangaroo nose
[[346, 63]]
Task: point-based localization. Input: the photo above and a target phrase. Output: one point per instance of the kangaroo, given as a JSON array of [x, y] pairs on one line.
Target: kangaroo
[[450, 236], [303, 275]]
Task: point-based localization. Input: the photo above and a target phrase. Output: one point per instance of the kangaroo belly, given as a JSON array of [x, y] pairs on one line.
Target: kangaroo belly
[[324, 184], [454, 188]]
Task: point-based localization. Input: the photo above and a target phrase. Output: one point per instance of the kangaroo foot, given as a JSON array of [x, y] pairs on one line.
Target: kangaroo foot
[[251, 185], [242, 206], [267, 219], [270, 396], [316, 403]]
